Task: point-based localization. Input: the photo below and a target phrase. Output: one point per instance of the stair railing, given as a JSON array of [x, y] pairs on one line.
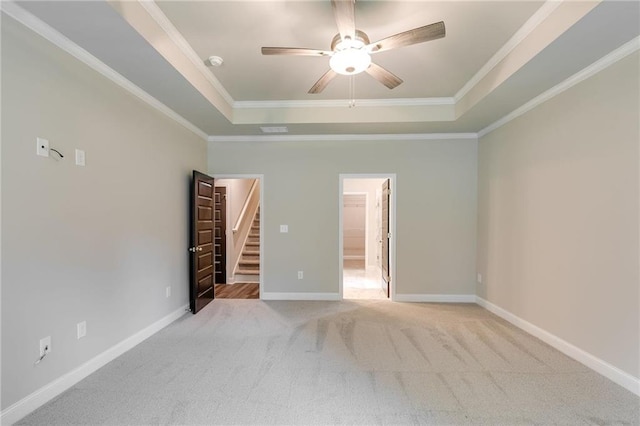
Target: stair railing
[[243, 213], [242, 228]]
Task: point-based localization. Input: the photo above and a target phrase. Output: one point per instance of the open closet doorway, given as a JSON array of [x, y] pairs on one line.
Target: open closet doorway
[[366, 244], [238, 236]]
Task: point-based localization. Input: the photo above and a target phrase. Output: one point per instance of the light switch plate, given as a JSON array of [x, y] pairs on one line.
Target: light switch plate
[[284, 228], [479, 278], [79, 157], [45, 346], [42, 147], [81, 328]]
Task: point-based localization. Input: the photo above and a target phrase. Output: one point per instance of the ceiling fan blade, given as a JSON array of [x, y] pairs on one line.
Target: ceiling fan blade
[[407, 38], [294, 51], [383, 76], [323, 82], [345, 14]]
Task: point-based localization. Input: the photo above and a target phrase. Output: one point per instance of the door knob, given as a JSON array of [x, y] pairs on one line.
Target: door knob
[[199, 248], [193, 249]]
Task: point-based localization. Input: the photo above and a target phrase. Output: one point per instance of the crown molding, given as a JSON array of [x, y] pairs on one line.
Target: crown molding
[[601, 64], [48, 33], [337, 103], [178, 39], [343, 138], [532, 23]]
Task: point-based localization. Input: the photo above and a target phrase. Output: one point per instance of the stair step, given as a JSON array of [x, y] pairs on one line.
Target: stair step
[[252, 243], [249, 262], [251, 253], [255, 268], [248, 272]]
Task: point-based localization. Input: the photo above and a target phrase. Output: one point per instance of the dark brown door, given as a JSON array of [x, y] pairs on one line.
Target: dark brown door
[[220, 234], [386, 192], [202, 250]]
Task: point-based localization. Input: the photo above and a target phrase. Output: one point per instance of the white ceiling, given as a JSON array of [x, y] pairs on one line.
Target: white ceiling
[[237, 30], [495, 57]]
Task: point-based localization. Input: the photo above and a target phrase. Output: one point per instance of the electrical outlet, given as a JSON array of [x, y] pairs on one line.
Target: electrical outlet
[[284, 228], [45, 346], [168, 291], [300, 275], [81, 328], [42, 147], [479, 278]]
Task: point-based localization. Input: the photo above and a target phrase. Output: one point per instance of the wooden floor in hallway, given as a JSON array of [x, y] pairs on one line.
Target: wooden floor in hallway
[[237, 291]]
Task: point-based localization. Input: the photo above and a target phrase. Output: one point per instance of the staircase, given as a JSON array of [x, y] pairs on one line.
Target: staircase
[[249, 264]]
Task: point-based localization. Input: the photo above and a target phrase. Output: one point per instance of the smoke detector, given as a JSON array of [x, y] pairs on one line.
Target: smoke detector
[[214, 61]]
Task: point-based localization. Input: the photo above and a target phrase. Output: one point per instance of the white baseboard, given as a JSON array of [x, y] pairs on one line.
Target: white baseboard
[[611, 372], [436, 298], [46, 393], [300, 296]]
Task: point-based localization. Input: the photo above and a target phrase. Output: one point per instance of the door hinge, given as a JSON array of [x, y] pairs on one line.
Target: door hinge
[[389, 236]]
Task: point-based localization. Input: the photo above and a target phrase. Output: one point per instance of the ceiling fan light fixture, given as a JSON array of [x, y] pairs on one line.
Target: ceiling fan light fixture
[[350, 61]]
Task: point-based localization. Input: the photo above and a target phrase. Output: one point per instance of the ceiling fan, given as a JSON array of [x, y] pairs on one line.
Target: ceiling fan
[[351, 49]]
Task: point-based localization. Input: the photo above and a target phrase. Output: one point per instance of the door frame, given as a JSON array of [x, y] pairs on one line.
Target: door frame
[[260, 178], [392, 226]]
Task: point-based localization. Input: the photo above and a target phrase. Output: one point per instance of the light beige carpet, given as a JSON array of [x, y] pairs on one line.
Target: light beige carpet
[[351, 362]]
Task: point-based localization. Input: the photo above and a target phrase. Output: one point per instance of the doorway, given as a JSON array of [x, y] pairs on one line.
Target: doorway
[[366, 230], [240, 270]]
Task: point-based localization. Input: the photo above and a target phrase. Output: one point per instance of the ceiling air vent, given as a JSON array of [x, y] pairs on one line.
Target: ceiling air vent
[[275, 129]]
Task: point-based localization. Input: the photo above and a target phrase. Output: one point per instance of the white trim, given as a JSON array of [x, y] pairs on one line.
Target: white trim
[[46, 393], [436, 298], [344, 137], [340, 103], [178, 39], [616, 375], [601, 64], [39, 27], [299, 296], [532, 23]]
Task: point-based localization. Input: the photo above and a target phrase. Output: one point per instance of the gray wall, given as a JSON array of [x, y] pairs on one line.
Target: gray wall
[[436, 208], [98, 243], [558, 216]]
